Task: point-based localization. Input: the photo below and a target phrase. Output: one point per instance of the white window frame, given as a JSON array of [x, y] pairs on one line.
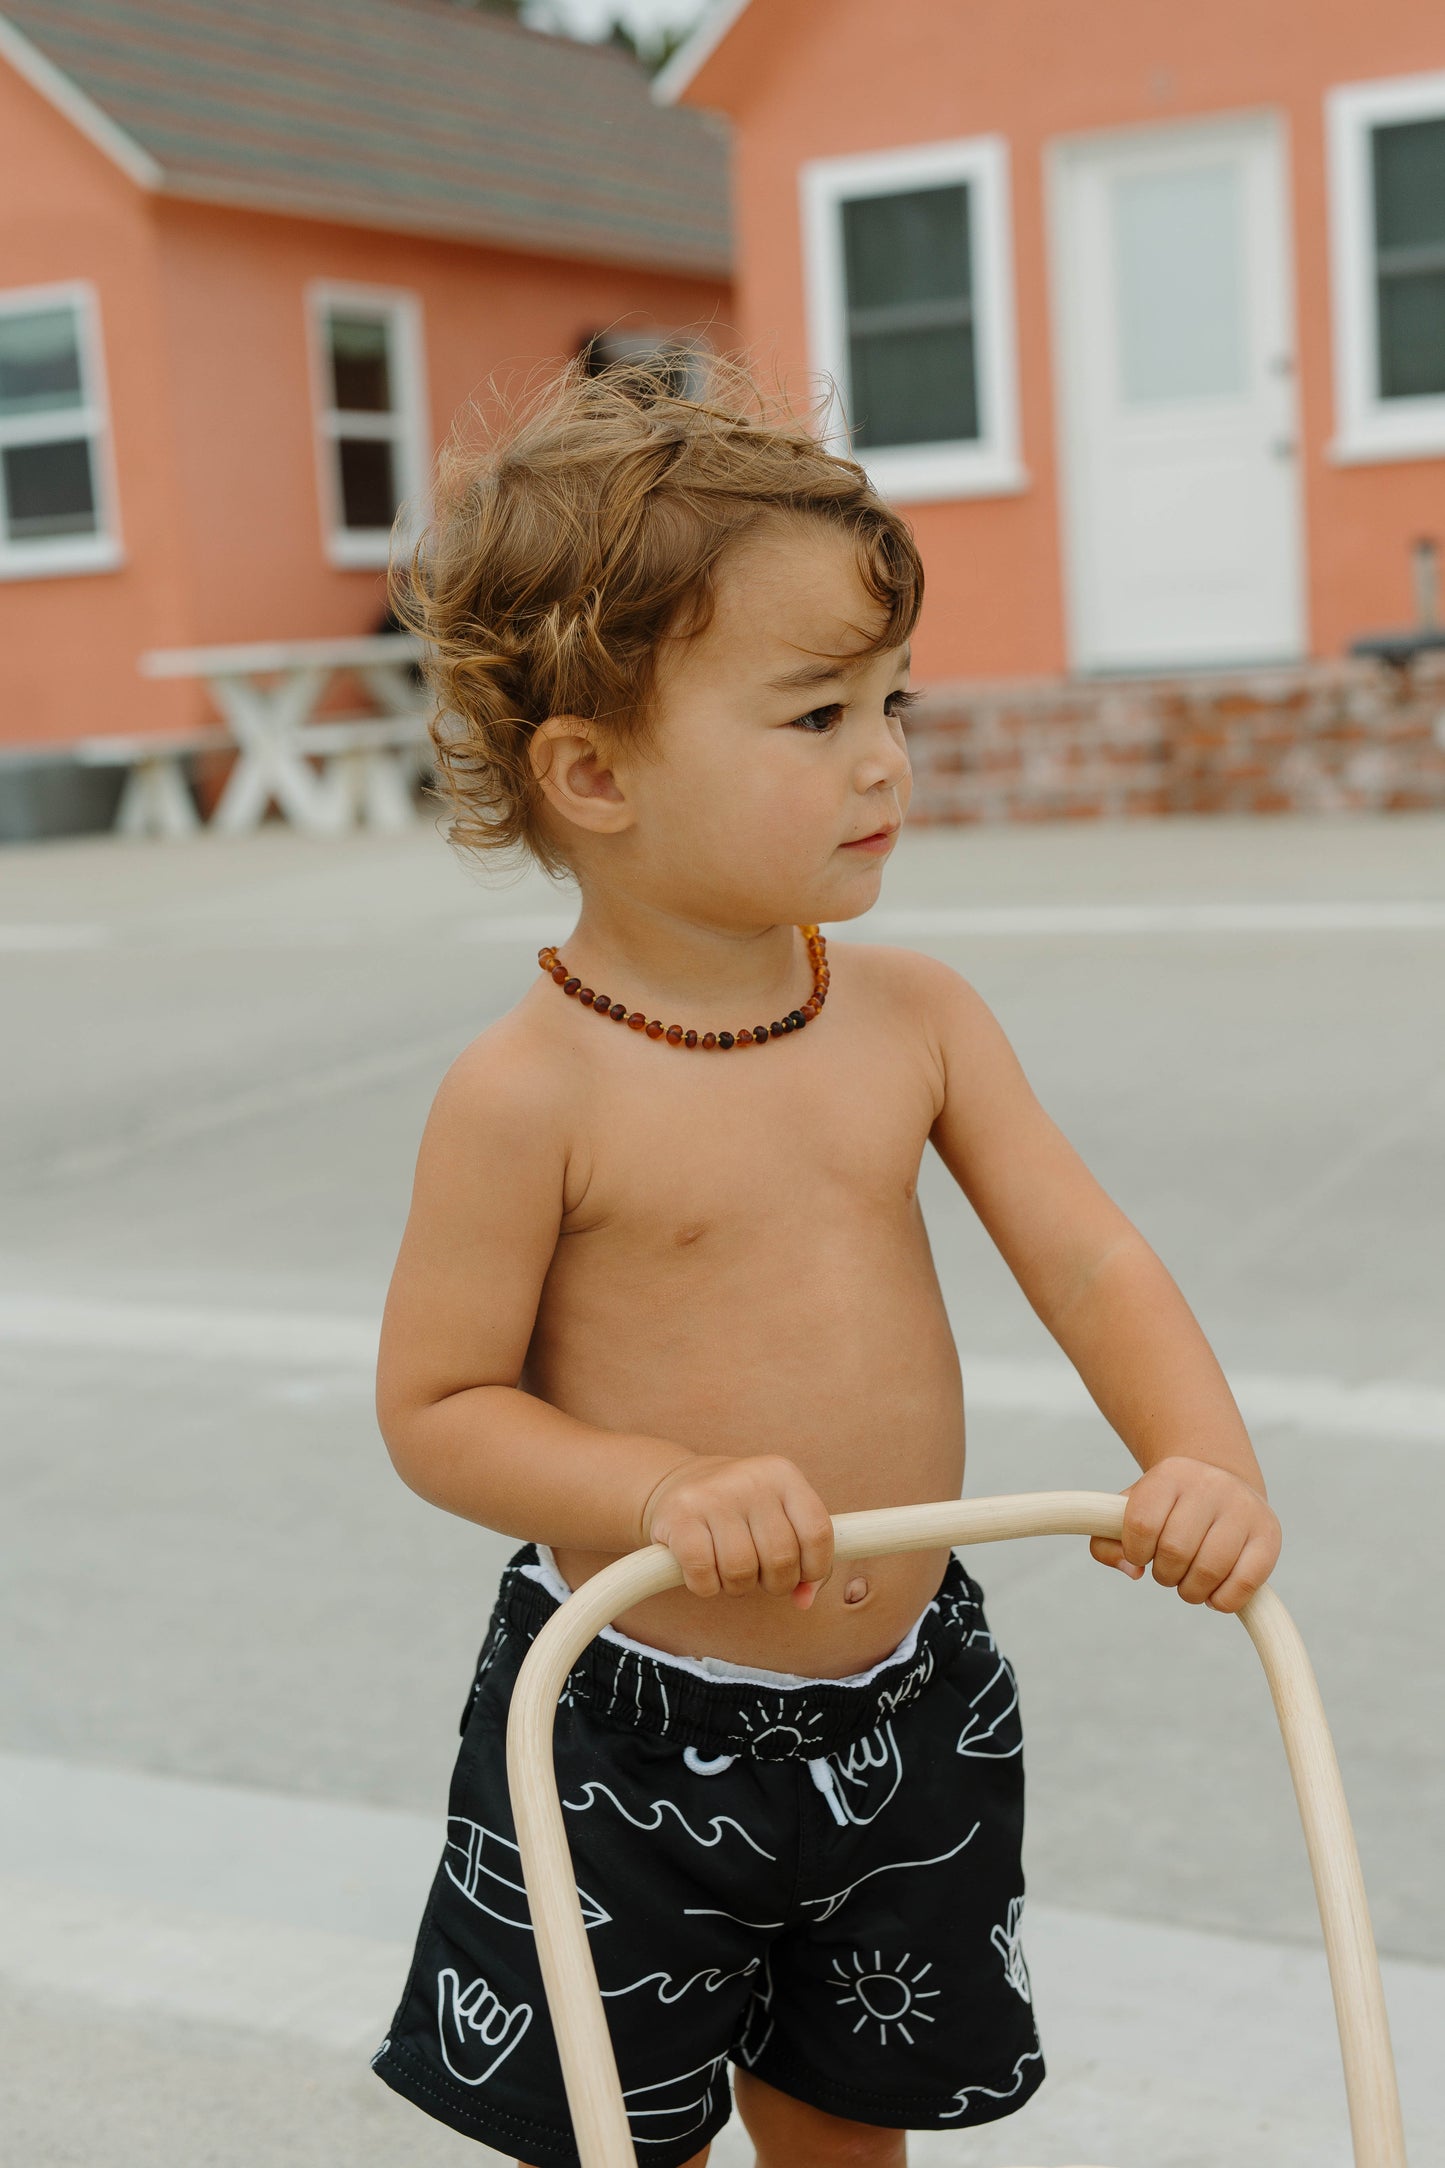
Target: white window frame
[[988, 465], [65, 555], [407, 428], [1367, 427]]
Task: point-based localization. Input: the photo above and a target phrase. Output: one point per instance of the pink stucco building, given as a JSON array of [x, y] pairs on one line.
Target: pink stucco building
[[1137, 309], [253, 260]]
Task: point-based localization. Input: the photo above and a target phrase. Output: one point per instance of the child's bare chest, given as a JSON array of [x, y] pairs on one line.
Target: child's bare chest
[[698, 1160]]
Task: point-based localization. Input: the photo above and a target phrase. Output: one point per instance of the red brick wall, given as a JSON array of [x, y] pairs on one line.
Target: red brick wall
[[1336, 737]]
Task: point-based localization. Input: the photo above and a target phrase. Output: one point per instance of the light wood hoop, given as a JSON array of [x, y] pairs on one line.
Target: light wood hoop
[[579, 2022]]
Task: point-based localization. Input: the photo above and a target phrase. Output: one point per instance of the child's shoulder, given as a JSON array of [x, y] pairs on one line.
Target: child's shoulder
[[906, 975]]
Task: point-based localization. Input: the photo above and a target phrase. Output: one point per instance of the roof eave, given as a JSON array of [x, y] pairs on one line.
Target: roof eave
[[677, 75], [508, 238], [72, 103]]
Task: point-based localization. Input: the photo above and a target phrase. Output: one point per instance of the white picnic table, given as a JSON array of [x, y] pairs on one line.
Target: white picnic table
[[267, 693]]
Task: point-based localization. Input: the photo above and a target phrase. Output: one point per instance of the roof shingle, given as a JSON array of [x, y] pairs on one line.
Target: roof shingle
[[419, 114]]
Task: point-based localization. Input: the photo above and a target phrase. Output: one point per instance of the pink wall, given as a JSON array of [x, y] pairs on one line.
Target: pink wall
[[242, 409], [68, 643], [800, 82], [204, 332]]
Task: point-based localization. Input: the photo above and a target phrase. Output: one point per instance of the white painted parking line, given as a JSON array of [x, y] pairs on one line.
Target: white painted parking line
[[939, 921], [1397, 1408], [1119, 918], [18, 940], [280, 1337], [923, 923]]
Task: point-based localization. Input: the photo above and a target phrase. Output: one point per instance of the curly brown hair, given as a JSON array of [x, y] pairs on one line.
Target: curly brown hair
[[587, 527]]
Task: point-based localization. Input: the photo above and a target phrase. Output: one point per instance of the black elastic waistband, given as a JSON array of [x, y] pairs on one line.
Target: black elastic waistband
[[735, 1716]]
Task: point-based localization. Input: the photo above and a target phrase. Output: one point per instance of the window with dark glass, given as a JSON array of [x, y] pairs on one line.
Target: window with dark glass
[[47, 429], [909, 299], [1409, 188], [365, 423]]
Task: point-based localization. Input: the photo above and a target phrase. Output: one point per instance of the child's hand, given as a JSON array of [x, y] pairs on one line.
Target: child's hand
[[734, 1525], [1209, 1534]]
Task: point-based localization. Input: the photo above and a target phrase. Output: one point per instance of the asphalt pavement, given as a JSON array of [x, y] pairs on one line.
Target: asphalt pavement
[[237, 1646]]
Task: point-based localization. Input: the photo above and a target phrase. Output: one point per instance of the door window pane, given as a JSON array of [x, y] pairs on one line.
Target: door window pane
[[39, 362], [49, 490], [1409, 175], [908, 272], [360, 364], [368, 481], [1179, 284]]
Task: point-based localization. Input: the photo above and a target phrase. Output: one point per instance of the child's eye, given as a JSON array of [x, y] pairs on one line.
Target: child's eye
[[819, 721]]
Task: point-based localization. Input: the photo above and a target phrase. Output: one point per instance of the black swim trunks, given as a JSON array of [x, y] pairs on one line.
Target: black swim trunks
[[819, 1880]]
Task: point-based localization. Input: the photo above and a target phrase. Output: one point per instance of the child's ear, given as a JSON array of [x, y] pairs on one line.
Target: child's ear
[[571, 766]]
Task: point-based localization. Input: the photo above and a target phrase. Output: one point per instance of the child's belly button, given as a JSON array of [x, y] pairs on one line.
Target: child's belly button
[[855, 1590]]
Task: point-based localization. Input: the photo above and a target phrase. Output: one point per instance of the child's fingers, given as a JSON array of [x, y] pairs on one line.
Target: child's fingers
[[691, 1545], [1251, 1570], [1147, 1505], [1178, 1542], [737, 1554], [1110, 1552], [813, 1526], [1215, 1560], [776, 1542], [804, 1593]]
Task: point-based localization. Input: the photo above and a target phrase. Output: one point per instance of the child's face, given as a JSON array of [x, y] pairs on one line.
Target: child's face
[[778, 743]]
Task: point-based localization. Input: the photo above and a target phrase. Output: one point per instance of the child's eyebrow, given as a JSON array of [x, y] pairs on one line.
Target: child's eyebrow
[[824, 673]]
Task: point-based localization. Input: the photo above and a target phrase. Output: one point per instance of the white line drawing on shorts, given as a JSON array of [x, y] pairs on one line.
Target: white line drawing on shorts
[[989, 2092], [756, 2029], [716, 1822], [885, 1994], [783, 1727], [840, 1897], [693, 2103], [481, 1855], [711, 1979], [981, 1731], [871, 1770], [712, 1912], [473, 2025], [1005, 1940]]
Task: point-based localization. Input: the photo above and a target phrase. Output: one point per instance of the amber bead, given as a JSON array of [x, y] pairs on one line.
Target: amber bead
[[586, 997], [637, 1021], [709, 1040], [618, 1012], [673, 1035], [724, 1038], [760, 1031], [689, 1038], [654, 1029], [776, 1031], [559, 973], [571, 986]]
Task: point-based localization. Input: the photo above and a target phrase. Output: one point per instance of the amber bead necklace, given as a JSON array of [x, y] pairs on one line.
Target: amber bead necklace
[[675, 1034]]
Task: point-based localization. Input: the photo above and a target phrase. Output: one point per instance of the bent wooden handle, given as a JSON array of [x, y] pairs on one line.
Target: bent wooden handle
[[578, 2019]]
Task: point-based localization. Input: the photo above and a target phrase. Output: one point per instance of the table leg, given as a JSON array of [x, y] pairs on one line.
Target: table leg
[[270, 764]]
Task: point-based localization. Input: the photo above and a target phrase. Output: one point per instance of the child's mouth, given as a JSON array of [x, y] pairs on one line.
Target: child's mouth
[[880, 841]]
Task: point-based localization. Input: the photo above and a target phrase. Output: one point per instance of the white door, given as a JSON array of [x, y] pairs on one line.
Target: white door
[[1175, 357]]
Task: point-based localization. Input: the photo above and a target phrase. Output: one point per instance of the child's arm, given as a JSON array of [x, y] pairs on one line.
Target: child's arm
[[1199, 1511], [494, 1177]]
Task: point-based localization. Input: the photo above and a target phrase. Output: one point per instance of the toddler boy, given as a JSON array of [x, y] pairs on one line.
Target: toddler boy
[[668, 1281]]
